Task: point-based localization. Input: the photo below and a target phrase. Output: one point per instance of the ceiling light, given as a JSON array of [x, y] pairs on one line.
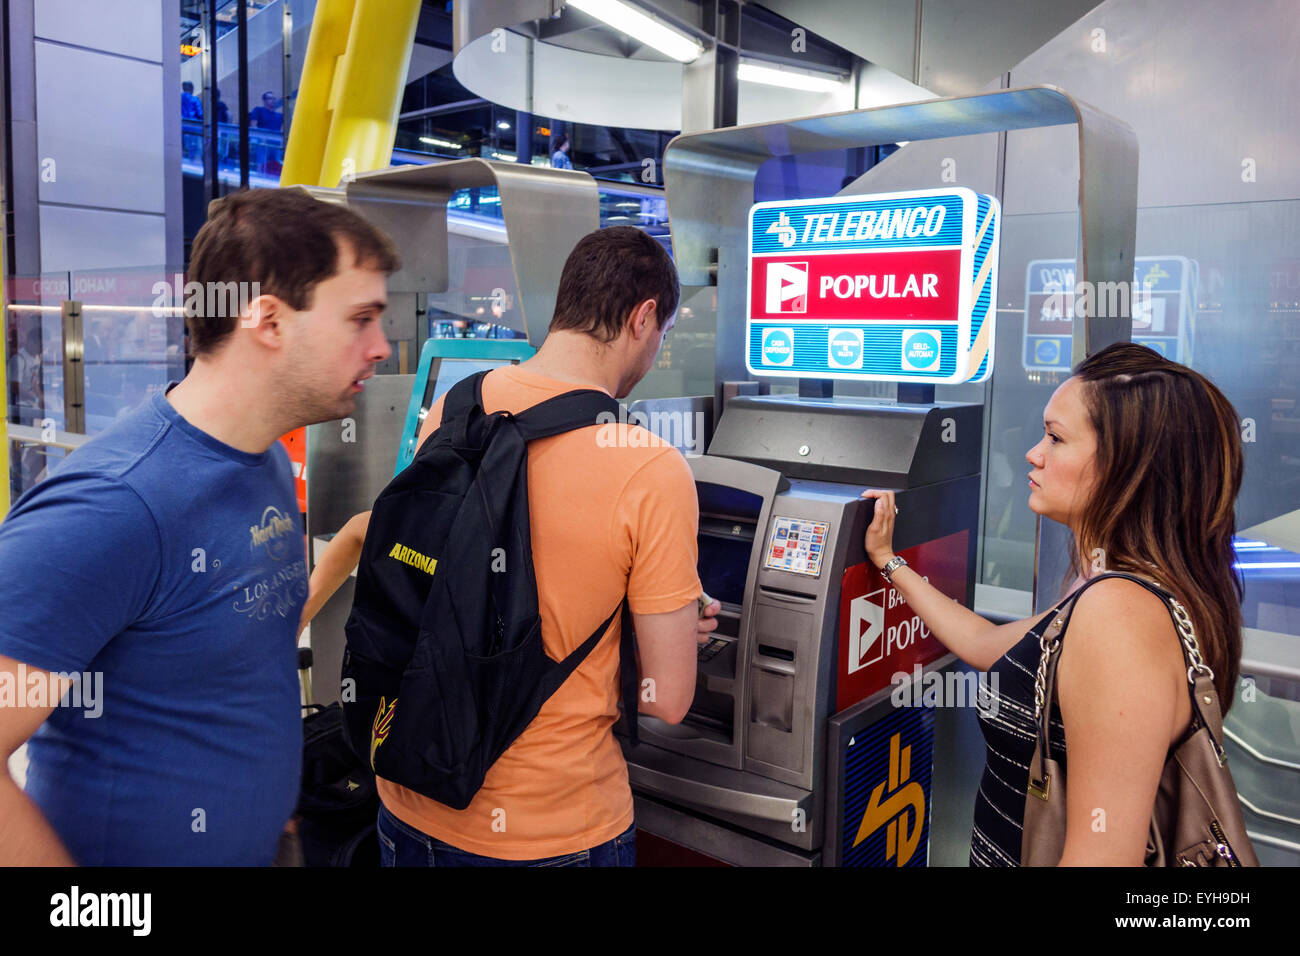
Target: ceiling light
[[790, 79], [445, 144], [653, 33], [502, 124]]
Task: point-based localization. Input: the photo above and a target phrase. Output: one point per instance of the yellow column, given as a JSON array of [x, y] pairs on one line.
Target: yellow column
[[308, 133], [351, 90]]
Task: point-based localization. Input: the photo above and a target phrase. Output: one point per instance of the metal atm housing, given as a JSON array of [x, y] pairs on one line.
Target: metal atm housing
[[741, 778]]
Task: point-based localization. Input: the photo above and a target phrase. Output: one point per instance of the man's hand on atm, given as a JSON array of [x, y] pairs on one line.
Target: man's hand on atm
[[708, 620]]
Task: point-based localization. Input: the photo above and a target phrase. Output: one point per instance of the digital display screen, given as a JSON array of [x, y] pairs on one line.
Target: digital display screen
[[797, 546], [724, 565], [451, 371]]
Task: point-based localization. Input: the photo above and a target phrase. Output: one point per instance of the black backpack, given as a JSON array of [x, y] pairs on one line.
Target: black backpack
[[444, 666]]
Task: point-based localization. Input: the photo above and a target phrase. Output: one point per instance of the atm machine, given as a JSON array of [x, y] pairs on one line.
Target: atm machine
[[796, 750], [808, 628]]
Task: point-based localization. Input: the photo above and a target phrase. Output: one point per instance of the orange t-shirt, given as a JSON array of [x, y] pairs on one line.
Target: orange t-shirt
[[613, 510]]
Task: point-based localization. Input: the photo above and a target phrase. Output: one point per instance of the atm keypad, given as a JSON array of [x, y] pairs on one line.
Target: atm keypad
[[797, 546], [711, 648]]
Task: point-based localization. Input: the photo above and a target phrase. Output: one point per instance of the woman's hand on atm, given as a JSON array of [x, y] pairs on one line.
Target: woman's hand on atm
[[708, 619], [880, 533]]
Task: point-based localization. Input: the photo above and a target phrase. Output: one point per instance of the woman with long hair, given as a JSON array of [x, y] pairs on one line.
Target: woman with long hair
[[1141, 459]]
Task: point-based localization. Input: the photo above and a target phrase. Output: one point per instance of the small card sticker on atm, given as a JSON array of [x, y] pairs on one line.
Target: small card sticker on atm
[[797, 546]]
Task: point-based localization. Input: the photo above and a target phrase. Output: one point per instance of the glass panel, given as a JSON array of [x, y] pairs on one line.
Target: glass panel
[[1263, 745], [133, 338], [34, 369], [1238, 323]]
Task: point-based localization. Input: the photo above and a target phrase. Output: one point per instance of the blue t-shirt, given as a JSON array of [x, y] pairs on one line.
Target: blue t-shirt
[[173, 565], [263, 118]]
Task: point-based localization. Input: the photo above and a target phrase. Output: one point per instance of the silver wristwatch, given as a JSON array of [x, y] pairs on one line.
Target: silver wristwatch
[[888, 570]]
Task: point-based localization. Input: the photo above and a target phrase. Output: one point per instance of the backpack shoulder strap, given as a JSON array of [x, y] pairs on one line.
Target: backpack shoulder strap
[[555, 416], [462, 398], [563, 413]]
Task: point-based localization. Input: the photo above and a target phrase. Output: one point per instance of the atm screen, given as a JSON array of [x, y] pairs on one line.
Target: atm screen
[[724, 565], [451, 371], [727, 521]]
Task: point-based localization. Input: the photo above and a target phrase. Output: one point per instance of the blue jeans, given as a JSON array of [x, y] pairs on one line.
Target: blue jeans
[[403, 845]]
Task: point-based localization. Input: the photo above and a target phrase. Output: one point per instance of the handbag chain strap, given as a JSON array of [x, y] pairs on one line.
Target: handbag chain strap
[[1049, 642], [1048, 647], [1196, 664]]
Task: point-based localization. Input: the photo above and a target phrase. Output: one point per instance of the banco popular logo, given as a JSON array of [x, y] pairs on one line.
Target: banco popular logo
[[866, 628], [778, 346], [902, 812], [920, 350], [787, 287], [844, 348], [275, 533]]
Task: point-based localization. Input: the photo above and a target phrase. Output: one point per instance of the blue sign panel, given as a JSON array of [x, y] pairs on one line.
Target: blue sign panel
[[886, 798], [886, 287]]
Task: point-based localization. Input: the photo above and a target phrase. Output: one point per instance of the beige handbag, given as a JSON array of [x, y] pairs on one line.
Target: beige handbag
[[1197, 819]]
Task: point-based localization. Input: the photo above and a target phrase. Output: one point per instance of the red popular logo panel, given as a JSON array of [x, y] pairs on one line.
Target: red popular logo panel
[[912, 285], [880, 635]]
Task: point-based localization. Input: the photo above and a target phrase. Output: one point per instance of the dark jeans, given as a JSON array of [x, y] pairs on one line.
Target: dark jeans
[[403, 845]]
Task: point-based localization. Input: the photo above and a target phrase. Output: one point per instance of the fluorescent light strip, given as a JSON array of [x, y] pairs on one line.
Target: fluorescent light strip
[[789, 79], [628, 19], [1268, 565], [446, 144]]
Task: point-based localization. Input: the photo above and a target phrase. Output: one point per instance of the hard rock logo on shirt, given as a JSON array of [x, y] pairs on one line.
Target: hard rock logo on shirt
[[281, 591], [275, 533]]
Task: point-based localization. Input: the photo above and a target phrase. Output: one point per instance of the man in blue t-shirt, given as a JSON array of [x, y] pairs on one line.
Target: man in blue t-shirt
[[153, 583], [266, 116], [191, 105]]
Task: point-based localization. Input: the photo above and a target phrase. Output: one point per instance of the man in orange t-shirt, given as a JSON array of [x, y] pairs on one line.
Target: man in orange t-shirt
[[613, 510]]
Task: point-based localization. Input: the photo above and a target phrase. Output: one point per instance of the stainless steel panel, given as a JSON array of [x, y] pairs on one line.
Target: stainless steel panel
[[948, 46], [965, 43], [348, 463], [471, 19], [721, 843], [717, 789], [883, 31], [546, 212], [710, 176]]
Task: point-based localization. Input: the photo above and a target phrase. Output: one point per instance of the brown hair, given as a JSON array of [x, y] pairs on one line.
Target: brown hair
[[1169, 467], [283, 240], [608, 273]]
